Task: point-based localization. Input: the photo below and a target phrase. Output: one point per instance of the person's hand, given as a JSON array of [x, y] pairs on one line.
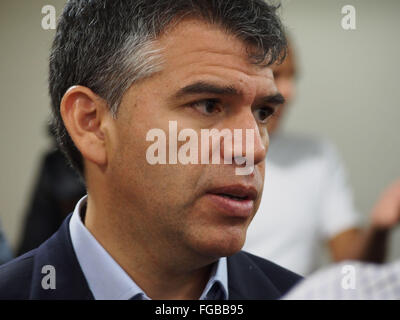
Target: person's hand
[[386, 213]]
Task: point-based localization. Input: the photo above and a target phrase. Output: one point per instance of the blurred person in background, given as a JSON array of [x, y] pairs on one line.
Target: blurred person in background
[[354, 280], [307, 201], [57, 189]]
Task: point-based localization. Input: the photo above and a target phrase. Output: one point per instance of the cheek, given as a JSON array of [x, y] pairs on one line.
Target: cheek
[[265, 137], [171, 186], [261, 170], [261, 178]]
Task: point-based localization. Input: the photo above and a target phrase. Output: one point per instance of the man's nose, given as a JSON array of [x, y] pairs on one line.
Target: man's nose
[[247, 137]]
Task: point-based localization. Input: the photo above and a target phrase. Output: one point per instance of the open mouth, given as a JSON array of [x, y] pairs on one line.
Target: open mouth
[[233, 197], [235, 192], [233, 200]]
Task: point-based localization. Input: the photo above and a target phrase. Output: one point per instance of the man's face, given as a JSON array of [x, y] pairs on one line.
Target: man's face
[[182, 204]]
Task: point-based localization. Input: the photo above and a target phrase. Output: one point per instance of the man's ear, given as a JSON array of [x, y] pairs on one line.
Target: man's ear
[[83, 113]]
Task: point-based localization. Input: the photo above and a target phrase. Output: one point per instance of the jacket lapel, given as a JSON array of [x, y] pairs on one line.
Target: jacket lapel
[[246, 281]]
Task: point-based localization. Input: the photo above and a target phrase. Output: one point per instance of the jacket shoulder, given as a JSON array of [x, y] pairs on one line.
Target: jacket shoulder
[[255, 278], [16, 277]]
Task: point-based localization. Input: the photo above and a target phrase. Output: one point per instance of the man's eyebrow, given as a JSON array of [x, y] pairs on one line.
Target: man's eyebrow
[[202, 87], [275, 99]]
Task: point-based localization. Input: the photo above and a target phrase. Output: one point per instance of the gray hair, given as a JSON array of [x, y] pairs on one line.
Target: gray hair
[[137, 59], [108, 45]]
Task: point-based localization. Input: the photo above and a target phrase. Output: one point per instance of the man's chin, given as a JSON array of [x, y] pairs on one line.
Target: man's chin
[[221, 247]]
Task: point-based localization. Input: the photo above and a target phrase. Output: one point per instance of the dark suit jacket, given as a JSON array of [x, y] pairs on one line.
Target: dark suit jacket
[[249, 277]]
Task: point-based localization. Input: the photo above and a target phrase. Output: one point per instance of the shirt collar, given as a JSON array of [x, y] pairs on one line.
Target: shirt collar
[[108, 281], [219, 277]]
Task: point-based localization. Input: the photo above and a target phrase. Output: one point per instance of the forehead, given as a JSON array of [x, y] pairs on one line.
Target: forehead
[[194, 48], [287, 67]]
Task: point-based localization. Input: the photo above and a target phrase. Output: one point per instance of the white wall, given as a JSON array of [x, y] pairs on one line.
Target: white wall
[[348, 92], [24, 108]]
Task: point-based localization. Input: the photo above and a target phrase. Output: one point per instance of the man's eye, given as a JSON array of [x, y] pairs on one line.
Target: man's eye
[[262, 115], [207, 107]]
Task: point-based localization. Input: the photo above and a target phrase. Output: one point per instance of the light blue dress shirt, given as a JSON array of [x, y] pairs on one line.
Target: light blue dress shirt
[[108, 281]]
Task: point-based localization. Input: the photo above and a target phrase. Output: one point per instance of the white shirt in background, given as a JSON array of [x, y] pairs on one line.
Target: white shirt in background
[[306, 201], [350, 280]]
